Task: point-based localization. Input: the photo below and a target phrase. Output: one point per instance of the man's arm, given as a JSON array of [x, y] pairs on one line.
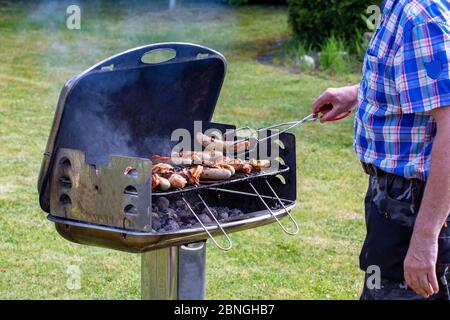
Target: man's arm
[[420, 262]]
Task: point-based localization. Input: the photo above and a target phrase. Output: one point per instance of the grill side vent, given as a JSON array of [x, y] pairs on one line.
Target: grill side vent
[[102, 195]]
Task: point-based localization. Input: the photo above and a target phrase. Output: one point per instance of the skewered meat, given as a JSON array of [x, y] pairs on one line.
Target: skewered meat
[[215, 144]]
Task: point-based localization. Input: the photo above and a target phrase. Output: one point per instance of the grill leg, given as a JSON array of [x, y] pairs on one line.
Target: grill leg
[[159, 271], [174, 273]]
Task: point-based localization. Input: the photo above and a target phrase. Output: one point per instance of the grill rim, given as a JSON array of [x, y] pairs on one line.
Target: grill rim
[[142, 243]]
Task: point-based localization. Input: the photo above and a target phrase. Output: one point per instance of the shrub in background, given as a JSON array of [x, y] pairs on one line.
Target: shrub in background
[[334, 56], [315, 21]]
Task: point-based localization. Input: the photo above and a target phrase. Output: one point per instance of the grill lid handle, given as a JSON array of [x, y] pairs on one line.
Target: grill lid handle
[[134, 58]]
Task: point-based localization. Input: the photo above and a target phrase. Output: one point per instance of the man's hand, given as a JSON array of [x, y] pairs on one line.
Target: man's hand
[[420, 265], [420, 262], [342, 99]]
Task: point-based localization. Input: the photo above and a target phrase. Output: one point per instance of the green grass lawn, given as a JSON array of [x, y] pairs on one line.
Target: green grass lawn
[[38, 54]]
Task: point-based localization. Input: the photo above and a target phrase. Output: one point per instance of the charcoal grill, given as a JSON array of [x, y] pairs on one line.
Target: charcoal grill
[[118, 114]]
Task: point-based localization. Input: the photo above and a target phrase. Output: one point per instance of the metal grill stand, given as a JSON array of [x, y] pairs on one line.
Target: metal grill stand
[[174, 273]]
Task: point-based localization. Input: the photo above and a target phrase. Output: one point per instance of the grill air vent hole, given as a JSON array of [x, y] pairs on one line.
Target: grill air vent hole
[[130, 209], [65, 200], [65, 162], [130, 190], [65, 182]]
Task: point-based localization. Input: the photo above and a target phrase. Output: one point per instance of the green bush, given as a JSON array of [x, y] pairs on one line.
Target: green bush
[[334, 56], [315, 21]]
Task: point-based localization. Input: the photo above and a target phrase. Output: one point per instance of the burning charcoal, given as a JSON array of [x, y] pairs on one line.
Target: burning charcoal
[[213, 211], [204, 218], [171, 225], [222, 209], [223, 215], [172, 214], [163, 204], [164, 218], [180, 204], [156, 224], [235, 213], [192, 221], [182, 213]]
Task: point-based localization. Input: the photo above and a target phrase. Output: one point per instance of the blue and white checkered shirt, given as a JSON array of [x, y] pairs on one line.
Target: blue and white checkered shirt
[[405, 75]]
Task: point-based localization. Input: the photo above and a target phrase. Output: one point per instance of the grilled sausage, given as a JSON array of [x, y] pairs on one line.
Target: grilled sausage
[[215, 174], [164, 184]]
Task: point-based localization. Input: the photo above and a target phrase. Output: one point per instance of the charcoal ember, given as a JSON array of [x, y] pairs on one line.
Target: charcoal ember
[[180, 204], [172, 214], [222, 209], [171, 225], [162, 204], [183, 213], [213, 211], [164, 219], [204, 218], [192, 221], [235, 213], [156, 224], [223, 215]]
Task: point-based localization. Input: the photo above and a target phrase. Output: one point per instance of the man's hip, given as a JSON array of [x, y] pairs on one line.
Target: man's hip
[[391, 207]]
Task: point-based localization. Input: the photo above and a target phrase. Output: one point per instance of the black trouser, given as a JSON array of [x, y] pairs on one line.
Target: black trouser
[[391, 206]]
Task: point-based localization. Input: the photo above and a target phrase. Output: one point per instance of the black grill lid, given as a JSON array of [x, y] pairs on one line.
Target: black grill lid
[[123, 106]]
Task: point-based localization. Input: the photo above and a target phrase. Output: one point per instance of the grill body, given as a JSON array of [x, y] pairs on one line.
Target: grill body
[[119, 113]]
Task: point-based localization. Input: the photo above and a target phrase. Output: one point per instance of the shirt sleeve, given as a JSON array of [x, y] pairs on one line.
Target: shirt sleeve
[[422, 74]]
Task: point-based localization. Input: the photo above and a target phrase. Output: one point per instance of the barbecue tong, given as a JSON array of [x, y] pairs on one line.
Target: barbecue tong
[[254, 136]]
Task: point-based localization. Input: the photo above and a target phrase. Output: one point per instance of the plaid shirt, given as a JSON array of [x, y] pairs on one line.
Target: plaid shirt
[[405, 76]]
